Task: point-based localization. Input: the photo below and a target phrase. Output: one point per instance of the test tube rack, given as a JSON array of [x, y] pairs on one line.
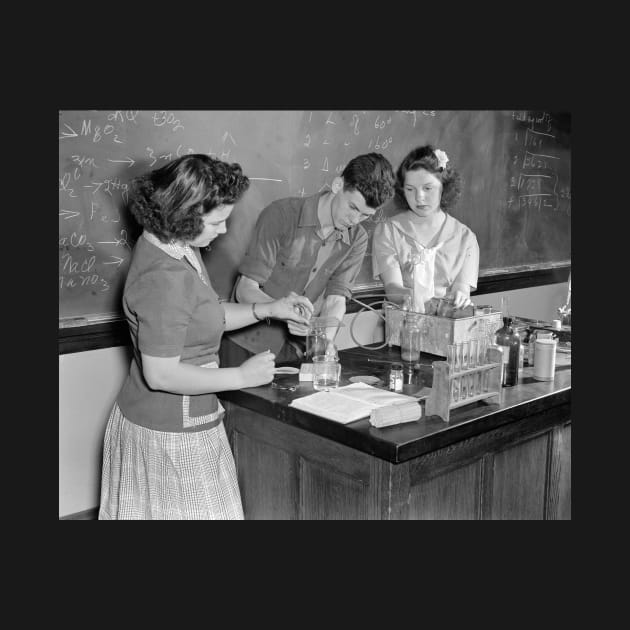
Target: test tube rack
[[451, 388]]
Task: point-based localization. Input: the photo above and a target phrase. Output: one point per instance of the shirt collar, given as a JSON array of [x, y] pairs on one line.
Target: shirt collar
[[335, 235], [177, 251], [310, 218]]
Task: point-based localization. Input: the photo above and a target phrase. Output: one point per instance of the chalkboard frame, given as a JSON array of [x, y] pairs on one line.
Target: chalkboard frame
[[115, 333]]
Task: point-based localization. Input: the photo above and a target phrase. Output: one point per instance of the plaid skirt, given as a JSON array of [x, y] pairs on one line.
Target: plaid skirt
[[161, 475]]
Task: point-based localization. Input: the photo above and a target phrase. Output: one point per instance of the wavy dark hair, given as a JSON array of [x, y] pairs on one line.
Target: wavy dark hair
[[171, 201], [424, 157], [372, 175]]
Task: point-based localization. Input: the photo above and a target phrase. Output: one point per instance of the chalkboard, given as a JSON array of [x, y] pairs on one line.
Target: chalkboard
[[516, 167]]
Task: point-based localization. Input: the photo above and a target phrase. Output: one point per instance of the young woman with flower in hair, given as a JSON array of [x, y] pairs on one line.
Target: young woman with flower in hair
[[166, 455], [424, 251]]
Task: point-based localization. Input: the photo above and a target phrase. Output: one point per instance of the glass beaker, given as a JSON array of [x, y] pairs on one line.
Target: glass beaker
[[326, 373]]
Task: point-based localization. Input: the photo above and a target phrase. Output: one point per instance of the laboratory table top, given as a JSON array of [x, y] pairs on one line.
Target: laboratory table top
[[402, 442]]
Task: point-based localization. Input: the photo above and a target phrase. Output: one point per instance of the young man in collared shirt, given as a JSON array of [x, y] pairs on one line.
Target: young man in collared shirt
[[313, 246]]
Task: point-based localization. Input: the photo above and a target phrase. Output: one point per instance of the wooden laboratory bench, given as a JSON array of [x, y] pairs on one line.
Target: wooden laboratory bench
[[502, 460]]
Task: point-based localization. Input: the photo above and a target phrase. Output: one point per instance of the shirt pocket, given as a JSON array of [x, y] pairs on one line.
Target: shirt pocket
[[290, 260], [193, 421]]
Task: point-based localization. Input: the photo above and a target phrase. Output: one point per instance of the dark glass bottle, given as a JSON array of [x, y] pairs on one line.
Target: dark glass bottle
[[510, 343]]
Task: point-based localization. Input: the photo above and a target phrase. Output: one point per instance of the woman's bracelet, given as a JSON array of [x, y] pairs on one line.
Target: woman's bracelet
[[260, 319]]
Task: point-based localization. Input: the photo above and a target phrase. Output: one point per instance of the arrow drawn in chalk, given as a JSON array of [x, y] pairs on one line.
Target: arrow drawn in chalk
[[115, 262], [71, 214], [63, 135], [126, 161]]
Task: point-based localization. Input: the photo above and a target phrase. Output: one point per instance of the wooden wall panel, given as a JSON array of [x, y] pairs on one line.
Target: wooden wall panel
[[453, 495], [559, 483], [267, 480], [328, 494], [516, 481]]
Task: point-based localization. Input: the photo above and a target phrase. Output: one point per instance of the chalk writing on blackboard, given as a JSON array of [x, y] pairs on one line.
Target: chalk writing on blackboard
[[516, 167]]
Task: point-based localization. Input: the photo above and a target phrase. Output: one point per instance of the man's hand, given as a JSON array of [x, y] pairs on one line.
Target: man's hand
[[292, 308]]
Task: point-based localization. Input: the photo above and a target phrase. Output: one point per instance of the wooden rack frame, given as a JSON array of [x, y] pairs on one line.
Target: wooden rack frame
[[440, 400]]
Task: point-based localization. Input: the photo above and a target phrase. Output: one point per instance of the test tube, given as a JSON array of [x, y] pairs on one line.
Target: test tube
[[483, 349], [465, 354], [491, 342], [485, 376], [456, 385], [458, 357], [472, 363], [450, 359], [463, 388], [475, 344], [450, 356], [483, 360]]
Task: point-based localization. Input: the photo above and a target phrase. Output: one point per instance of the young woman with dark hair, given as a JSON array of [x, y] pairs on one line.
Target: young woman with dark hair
[[166, 453]]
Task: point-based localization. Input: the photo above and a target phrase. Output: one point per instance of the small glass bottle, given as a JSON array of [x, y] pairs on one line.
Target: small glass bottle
[[410, 339], [396, 377], [510, 343]]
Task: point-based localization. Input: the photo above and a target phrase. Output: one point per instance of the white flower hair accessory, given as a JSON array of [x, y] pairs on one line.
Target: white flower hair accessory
[[442, 158]]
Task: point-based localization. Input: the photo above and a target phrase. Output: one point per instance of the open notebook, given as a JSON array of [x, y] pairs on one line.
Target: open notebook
[[353, 402]]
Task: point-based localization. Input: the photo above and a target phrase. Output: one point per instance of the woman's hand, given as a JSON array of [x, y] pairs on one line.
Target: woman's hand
[[292, 308], [460, 296], [258, 370]]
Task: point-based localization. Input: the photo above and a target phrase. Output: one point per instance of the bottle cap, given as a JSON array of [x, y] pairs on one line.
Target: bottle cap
[[397, 366]]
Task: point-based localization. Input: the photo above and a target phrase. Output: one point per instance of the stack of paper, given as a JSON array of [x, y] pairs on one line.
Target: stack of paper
[[356, 401], [395, 414]]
